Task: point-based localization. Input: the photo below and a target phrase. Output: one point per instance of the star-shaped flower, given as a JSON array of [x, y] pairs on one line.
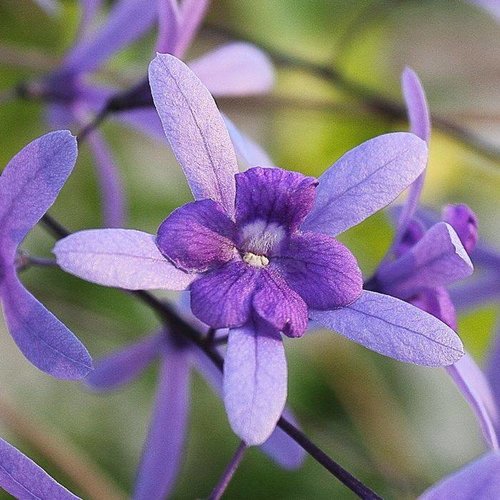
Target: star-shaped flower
[[258, 252], [29, 186]]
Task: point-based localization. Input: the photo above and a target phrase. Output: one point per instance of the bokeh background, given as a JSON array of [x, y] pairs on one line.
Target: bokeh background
[[397, 427]]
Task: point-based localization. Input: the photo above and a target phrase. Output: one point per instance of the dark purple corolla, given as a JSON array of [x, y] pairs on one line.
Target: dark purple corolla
[[24, 479], [29, 186], [259, 254], [163, 450], [427, 256]]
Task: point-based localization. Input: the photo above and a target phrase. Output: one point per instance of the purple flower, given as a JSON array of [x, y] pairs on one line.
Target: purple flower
[[29, 185], [479, 480], [23, 478], [162, 454], [427, 257], [258, 252]]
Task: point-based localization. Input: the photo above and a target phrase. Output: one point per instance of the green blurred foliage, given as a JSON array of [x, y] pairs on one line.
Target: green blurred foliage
[[398, 428]]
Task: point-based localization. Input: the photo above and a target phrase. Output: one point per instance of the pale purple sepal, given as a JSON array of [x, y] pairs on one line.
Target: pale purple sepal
[[24, 479], [394, 328], [479, 480], [476, 390], [124, 365], [437, 259], [373, 174], [235, 69], [168, 26], [493, 370], [420, 124], [30, 183], [255, 381], [195, 130], [112, 191], [191, 16], [122, 258], [41, 337], [162, 452], [127, 21], [251, 153], [477, 292], [280, 447]]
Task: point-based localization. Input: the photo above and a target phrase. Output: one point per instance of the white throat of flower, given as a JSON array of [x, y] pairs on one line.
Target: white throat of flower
[[258, 239]]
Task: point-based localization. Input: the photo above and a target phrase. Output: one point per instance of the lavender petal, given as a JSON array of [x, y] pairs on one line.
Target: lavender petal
[[320, 269], [235, 69], [30, 183], [168, 26], [162, 454], [364, 180], [197, 236], [475, 388], [394, 328], [113, 196], [121, 258], [255, 381], [437, 259], [191, 16], [479, 480], [24, 479], [144, 120], [195, 130], [222, 298], [40, 336], [123, 366], [273, 195]]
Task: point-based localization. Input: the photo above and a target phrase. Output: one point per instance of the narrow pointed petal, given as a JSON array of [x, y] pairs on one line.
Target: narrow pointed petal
[[192, 13], [248, 150], [195, 130], [235, 69], [168, 26], [420, 125], [273, 195], [479, 480], [30, 183], [437, 259], [255, 381], [125, 365], [364, 180], [144, 120], [280, 447], [23, 478], [222, 298], [112, 190], [40, 336], [197, 236], [474, 387], [476, 292], [127, 21], [493, 371], [320, 269], [394, 328], [162, 454], [121, 258]]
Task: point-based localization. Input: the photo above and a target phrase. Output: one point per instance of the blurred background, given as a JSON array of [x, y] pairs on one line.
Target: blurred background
[[397, 427]]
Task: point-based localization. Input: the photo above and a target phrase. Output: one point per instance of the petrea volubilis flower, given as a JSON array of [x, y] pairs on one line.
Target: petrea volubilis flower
[[29, 186], [162, 454], [23, 478], [429, 257], [258, 253]]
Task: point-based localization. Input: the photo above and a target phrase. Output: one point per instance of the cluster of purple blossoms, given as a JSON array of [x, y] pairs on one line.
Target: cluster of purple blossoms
[[257, 251]]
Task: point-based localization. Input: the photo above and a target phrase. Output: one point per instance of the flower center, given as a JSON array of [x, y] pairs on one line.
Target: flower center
[[261, 237], [255, 260]]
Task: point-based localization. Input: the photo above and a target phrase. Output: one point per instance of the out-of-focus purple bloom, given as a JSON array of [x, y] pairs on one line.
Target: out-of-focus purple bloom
[[258, 252], [427, 257], [479, 480], [490, 6], [23, 478], [162, 454], [29, 186]]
